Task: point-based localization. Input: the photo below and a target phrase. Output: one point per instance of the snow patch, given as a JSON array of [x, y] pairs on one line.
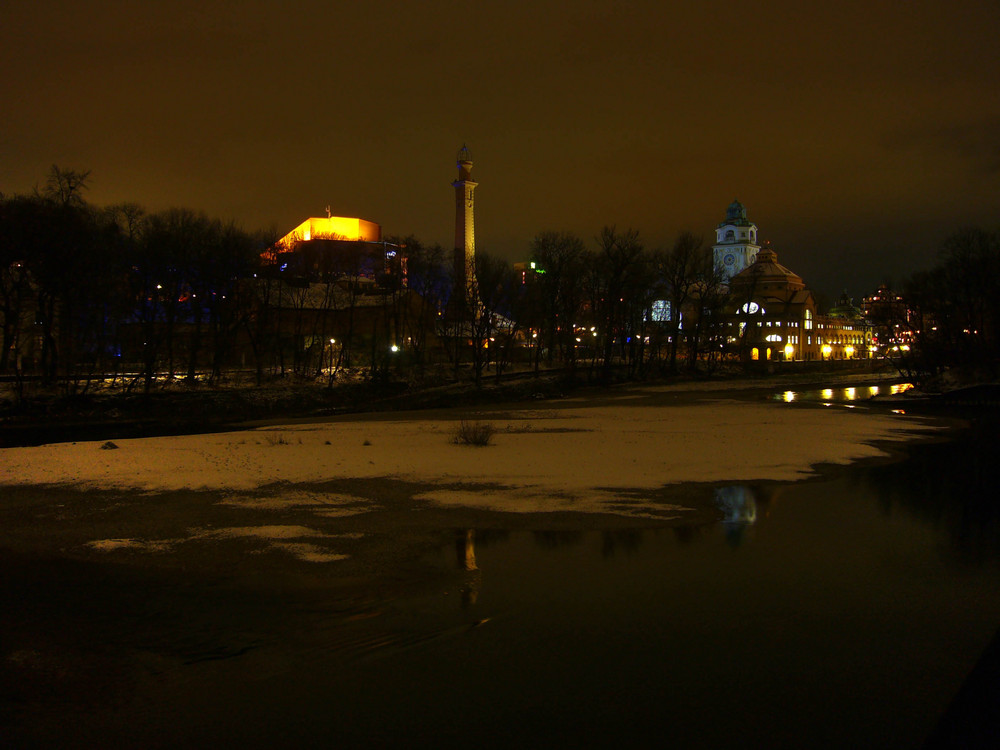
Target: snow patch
[[553, 459]]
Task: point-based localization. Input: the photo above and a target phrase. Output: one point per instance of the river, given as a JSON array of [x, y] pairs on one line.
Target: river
[[838, 612]]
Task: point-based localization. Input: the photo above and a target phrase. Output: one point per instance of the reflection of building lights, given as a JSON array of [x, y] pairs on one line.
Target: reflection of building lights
[[850, 394], [827, 393], [788, 396]]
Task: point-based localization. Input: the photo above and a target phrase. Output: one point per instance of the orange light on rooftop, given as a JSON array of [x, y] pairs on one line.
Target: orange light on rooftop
[[332, 228]]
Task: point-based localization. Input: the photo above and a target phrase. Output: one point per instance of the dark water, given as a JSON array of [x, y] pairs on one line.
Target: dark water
[[841, 613]]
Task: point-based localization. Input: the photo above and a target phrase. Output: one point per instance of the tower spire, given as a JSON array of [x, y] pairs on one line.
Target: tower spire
[[465, 232]]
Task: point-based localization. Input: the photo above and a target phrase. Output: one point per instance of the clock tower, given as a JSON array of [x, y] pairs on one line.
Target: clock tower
[[736, 245], [465, 233]]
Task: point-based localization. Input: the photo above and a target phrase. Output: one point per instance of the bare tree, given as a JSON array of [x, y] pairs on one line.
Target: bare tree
[[491, 326], [620, 264], [681, 271], [66, 186], [559, 272]]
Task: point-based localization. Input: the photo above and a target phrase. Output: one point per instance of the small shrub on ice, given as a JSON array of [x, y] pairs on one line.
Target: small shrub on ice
[[473, 433]]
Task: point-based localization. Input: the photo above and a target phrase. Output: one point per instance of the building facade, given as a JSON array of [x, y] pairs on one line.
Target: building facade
[[772, 316]]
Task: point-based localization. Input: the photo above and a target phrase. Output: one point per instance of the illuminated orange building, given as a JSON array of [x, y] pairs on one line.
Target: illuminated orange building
[[331, 228], [325, 248]]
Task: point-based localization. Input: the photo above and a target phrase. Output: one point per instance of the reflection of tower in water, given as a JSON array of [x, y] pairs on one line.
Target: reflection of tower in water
[[465, 551], [465, 547], [741, 506]]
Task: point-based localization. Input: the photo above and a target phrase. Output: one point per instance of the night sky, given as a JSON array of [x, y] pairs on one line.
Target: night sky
[[858, 134]]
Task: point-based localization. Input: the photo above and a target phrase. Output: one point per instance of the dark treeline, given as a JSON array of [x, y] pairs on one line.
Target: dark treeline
[[954, 308], [88, 293], [81, 285]]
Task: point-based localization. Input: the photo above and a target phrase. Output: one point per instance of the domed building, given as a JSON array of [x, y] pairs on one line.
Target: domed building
[[771, 312], [772, 317]]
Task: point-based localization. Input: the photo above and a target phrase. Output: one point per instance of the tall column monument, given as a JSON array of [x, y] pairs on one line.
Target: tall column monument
[[465, 233]]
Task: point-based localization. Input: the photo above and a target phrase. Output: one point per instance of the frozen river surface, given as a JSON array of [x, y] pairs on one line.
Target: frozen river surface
[[843, 611]]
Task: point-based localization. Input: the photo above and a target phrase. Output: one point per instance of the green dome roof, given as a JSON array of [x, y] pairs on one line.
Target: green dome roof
[[736, 214]]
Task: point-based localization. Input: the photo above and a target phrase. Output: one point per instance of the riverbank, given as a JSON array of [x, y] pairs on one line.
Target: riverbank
[[109, 413], [575, 453]]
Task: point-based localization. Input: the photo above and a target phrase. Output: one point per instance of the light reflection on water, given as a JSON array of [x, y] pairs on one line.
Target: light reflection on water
[[844, 395]]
